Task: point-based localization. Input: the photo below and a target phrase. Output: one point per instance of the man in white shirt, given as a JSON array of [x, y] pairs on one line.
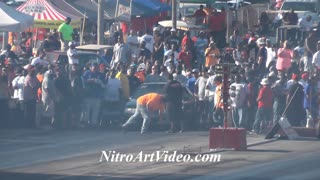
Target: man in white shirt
[[17, 85], [72, 54], [316, 57], [149, 40], [201, 87], [211, 89], [306, 23], [171, 63], [271, 53], [239, 95], [40, 59]]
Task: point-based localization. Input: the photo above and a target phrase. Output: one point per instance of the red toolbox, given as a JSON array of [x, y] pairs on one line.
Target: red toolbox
[[235, 138]]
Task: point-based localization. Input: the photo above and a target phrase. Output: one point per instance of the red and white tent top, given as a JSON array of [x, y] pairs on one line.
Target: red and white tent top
[[41, 10]]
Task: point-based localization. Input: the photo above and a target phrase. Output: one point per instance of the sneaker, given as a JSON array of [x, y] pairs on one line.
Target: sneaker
[[254, 132], [170, 131], [146, 132]]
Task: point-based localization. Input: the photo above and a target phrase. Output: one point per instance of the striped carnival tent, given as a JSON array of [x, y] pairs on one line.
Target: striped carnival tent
[[46, 15]]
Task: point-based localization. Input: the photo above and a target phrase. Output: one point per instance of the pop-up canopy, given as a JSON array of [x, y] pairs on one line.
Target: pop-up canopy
[[13, 20], [46, 15]]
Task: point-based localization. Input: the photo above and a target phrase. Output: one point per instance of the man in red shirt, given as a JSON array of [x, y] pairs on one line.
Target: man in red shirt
[[185, 56], [265, 103], [199, 15]]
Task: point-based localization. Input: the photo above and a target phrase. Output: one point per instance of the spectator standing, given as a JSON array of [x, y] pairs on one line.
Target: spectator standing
[[39, 60], [306, 23], [285, 55], [49, 94], [134, 81], [94, 86], [262, 57], [173, 94], [316, 58], [192, 78], [30, 88], [154, 76], [77, 93], [62, 107], [239, 98], [218, 114], [121, 53], [271, 54], [125, 87], [211, 88], [179, 77], [295, 99], [201, 44], [73, 56], [212, 54], [199, 15], [310, 49], [265, 103], [158, 47], [17, 85], [107, 56], [311, 103], [113, 89], [65, 33], [133, 43], [235, 39], [185, 56], [173, 38], [201, 94], [4, 99], [148, 39], [279, 90]]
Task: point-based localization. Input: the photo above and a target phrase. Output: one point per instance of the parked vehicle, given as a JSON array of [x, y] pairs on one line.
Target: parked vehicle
[[94, 48], [190, 110], [84, 58]]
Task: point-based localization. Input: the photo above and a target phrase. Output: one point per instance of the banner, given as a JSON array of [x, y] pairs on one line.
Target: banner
[[54, 24]]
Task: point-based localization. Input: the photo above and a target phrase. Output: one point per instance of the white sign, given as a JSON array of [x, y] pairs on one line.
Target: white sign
[[124, 12]]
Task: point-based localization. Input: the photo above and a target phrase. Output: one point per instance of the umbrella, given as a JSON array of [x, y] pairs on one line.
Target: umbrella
[[180, 24]]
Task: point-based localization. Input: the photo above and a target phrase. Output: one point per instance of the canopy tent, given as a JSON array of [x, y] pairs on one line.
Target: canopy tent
[[13, 20], [66, 7], [140, 8], [89, 8], [46, 15]]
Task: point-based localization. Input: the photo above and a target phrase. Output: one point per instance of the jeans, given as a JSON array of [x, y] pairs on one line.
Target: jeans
[[278, 109], [140, 111], [239, 117], [263, 115], [218, 117], [29, 113], [92, 110]]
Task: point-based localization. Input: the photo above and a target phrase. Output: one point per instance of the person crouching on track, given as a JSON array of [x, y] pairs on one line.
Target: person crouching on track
[[146, 105]]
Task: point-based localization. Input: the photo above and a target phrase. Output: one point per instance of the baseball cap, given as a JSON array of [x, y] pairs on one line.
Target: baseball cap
[[71, 43], [195, 71]]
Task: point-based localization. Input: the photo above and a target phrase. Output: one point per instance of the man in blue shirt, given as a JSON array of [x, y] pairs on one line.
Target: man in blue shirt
[[94, 82], [192, 78]]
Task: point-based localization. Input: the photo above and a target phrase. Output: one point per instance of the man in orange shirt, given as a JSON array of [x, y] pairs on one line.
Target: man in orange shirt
[[212, 54], [146, 104]]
